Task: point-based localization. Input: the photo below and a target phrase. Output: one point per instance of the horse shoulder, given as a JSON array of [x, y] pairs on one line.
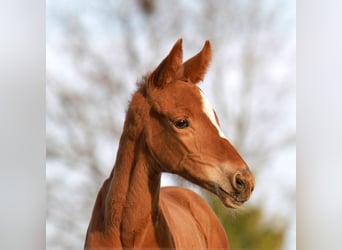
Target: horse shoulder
[[191, 220]]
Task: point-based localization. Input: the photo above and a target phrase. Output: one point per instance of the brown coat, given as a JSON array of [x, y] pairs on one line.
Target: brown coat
[[169, 127]]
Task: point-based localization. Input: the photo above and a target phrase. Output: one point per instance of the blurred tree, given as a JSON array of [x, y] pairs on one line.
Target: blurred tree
[[247, 229], [96, 51]]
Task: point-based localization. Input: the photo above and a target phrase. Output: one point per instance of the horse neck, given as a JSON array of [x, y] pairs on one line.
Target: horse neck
[[133, 195]]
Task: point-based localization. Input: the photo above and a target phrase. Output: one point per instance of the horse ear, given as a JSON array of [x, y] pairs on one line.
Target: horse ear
[[196, 67], [167, 69]]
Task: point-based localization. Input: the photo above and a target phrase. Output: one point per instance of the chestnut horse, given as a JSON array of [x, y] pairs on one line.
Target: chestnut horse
[[170, 127]]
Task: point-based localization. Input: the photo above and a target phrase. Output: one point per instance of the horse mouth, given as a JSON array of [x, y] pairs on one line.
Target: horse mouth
[[229, 199]]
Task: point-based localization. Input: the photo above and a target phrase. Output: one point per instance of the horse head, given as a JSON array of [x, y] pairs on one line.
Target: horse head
[[183, 133]]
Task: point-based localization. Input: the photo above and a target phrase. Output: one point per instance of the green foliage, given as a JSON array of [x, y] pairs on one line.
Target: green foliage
[[246, 228]]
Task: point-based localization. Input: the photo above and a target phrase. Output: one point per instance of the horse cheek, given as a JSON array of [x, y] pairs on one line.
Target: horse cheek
[[163, 149]]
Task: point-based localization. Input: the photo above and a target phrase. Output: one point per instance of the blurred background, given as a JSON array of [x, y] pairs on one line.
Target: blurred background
[[96, 51]]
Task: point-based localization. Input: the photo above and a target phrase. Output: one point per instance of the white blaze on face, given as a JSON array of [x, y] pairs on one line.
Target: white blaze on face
[[208, 109]]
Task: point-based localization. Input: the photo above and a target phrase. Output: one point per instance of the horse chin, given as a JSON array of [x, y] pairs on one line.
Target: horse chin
[[227, 198]]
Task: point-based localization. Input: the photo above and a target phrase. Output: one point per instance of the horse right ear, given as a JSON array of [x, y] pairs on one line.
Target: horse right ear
[[165, 73], [195, 67]]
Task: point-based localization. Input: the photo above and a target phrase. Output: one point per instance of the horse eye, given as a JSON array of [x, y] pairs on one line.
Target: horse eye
[[182, 123]]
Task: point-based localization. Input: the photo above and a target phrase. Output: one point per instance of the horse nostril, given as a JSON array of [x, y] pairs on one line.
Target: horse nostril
[[243, 184], [239, 183]]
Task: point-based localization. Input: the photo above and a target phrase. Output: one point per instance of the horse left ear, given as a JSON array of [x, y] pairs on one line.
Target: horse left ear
[[196, 67], [165, 73]]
